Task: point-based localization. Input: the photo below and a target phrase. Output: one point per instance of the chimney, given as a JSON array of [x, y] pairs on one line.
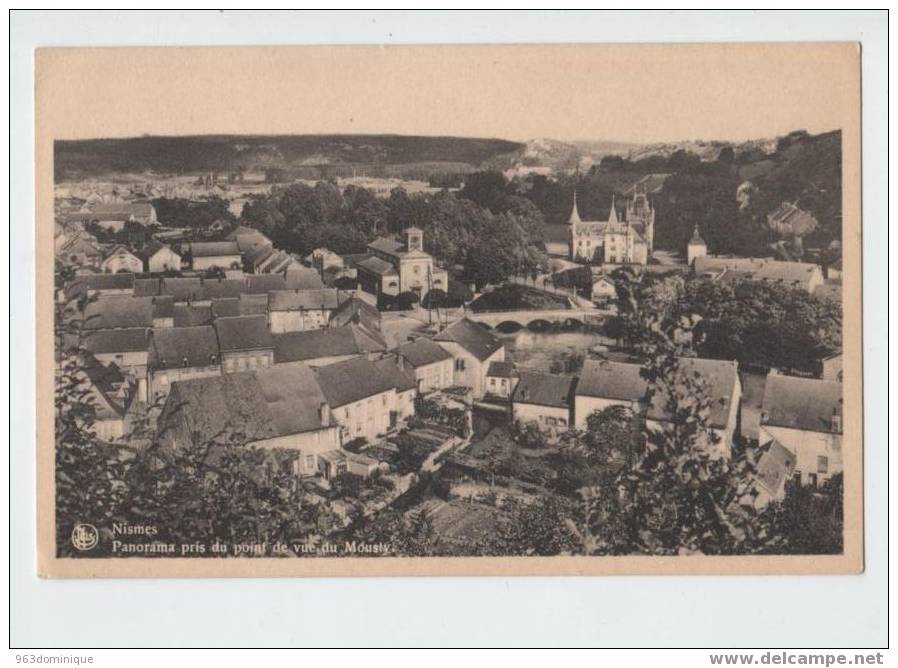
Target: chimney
[[400, 361], [836, 422], [324, 413]]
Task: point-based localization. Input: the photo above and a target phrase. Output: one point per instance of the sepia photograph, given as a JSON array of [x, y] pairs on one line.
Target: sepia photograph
[[520, 309]]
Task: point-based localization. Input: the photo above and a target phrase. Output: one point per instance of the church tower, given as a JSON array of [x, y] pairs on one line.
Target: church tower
[[414, 239], [573, 220], [696, 247], [640, 210]]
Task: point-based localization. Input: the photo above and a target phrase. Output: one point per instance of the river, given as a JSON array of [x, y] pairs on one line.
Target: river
[[537, 350]]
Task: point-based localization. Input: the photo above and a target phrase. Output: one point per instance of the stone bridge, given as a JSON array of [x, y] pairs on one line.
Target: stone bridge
[[536, 319]]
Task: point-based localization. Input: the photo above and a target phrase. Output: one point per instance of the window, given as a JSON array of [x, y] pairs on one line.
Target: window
[[310, 461], [492, 382], [822, 464], [460, 364], [384, 399]]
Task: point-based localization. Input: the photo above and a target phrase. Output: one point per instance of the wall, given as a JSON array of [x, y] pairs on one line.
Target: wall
[[159, 381], [586, 406], [367, 418], [435, 376], [807, 446], [500, 386], [405, 404], [468, 370], [310, 444], [246, 360], [298, 321], [222, 261], [122, 262], [163, 260], [550, 419]]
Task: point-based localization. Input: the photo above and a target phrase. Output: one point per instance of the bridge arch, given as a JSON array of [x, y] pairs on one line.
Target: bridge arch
[[509, 326]]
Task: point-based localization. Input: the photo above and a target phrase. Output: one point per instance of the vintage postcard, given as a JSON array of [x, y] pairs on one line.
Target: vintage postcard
[[449, 310]]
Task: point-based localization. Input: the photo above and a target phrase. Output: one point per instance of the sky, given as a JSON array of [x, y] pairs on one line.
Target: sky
[[629, 93]]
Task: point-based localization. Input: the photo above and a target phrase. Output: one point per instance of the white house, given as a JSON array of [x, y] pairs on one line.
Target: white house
[[361, 397], [119, 260], [805, 416], [299, 310], [158, 258], [431, 364], [473, 348], [544, 400], [244, 342], [501, 379], [208, 254]]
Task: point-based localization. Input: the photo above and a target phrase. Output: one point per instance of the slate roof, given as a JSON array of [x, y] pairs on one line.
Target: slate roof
[[264, 283], [294, 398], [472, 337], [207, 409], [356, 310], [317, 343], [502, 370], [296, 300], [184, 289], [170, 346], [350, 381], [807, 404], [224, 287], [188, 315], [115, 341], [118, 311], [253, 304], [775, 466], [387, 245], [225, 306], [82, 284], [605, 379], [377, 266], [243, 333], [402, 379], [791, 273], [302, 278], [163, 306], [423, 352], [213, 248], [107, 380], [147, 287], [544, 389]]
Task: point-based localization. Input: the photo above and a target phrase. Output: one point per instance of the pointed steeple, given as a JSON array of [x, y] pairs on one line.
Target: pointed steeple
[[575, 215], [612, 215]]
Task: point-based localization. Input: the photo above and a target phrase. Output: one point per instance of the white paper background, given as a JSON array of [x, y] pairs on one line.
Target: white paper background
[[602, 611]]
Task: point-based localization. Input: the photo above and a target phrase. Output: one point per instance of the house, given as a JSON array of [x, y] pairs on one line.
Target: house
[[396, 266], [431, 365], [208, 254], [604, 383], [147, 287], [801, 275], [473, 349], [158, 258], [323, 258], [406, 387], [338, 462], [361, 397], [545, 400], [279, 408], [603, 290], [776, 465], [224, 288], [319, 347], [180, 353], [111, 394], [501, 379], [788, 220], [79, 251], [245, 343], [298, 310], [265, 283], [126, 348], [111, 216], [805, 416]]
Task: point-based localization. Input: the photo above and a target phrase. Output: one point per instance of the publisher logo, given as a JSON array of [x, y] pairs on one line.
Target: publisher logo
[[85, 537]]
